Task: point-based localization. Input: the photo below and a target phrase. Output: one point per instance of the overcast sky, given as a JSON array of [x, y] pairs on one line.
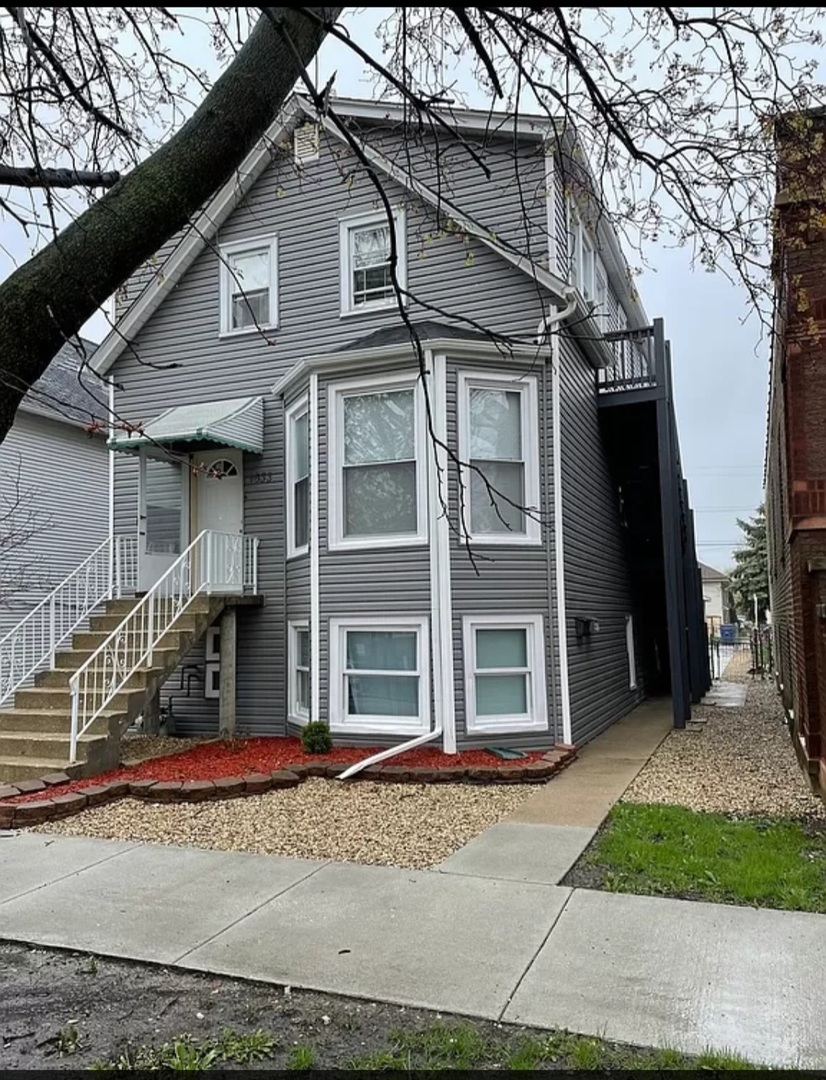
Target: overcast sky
[[720, 364]]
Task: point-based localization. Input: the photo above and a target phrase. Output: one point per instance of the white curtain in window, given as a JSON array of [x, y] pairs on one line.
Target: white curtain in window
[[393, 694], [370, 246], [496, 452], [250, 288], [379, 464]]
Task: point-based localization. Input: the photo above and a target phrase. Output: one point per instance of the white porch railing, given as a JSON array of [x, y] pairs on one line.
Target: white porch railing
[[213, 563], [109, 571]]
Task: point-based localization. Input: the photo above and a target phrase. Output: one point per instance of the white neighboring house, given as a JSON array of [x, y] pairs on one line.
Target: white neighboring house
[[715, 597], [54, 476]]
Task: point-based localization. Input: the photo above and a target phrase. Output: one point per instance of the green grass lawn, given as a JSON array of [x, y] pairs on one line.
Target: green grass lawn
[[671, 851]]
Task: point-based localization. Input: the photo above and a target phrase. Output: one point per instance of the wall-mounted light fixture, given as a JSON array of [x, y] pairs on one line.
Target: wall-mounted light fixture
[[585, 627]]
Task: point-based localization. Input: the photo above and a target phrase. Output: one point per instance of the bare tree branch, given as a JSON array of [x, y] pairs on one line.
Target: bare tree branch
[[33, 177]]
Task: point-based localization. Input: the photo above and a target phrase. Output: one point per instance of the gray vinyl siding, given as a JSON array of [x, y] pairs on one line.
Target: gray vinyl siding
[[597, 583], [504, 579], [64, 507]]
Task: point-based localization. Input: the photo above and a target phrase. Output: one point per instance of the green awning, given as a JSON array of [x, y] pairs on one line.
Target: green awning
[[235, 422]]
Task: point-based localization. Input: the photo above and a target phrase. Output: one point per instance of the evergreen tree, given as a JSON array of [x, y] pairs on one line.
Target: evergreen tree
[[750, 576]]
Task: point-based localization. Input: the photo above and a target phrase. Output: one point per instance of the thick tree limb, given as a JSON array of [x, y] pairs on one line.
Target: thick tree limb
[[33, 177], [50, 297]]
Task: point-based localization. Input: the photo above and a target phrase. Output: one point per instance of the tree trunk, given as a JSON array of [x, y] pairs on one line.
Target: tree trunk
[[49, 298]]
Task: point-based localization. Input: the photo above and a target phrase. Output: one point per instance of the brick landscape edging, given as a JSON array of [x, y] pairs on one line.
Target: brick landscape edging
[[40, 811]]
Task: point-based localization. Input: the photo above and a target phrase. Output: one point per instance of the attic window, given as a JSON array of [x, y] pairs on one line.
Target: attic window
[[305, 143]]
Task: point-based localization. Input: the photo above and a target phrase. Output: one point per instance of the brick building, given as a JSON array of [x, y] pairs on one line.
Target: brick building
[[796, 446]]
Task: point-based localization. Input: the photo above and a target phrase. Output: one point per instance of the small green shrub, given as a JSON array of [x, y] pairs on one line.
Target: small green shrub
[[315, 738]]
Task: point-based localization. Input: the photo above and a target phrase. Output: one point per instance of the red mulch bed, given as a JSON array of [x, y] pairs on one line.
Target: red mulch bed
[[214, 760]]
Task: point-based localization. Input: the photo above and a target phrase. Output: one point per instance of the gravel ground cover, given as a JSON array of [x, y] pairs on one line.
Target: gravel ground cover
[[408, 825], [740, 760]]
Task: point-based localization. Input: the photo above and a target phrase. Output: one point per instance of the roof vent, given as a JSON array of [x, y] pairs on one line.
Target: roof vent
[[305, 143]]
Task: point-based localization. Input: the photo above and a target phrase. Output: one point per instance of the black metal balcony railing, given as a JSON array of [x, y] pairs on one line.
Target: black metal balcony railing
[[635, 365]]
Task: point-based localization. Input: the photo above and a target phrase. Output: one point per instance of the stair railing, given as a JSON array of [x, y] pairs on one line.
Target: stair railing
[[213, 562], [108, 571]]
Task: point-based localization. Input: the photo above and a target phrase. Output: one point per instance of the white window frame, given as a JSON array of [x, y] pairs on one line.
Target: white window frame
[[212, 644], [527, 386], [295, 411], [237, 247], [537, 717], [632, 652], [376, 725], [295, 713], [212, 680], [358, 221], [336, 393]]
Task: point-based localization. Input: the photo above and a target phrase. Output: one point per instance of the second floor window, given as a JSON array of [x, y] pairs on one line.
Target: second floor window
[[376, 490], [366, 280], [248, 286]]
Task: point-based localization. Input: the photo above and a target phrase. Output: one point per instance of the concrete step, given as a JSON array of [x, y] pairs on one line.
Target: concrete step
[[59, 677], [201, 604], [45, 699], [57, 721], [165, 658], [189, 621], [172, 639], [40, 745], [12, 769]]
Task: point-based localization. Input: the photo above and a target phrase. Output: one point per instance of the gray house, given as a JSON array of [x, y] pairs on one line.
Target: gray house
[[54, 483], [398, 414]]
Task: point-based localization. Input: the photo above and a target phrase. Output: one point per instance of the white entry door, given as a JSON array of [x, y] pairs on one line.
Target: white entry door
[[163, 520], [220, 508]]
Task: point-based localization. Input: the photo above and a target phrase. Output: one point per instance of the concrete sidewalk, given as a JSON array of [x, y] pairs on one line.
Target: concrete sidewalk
[[635, 969]]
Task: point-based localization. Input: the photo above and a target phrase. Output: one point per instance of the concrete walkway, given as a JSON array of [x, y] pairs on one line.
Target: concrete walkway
[[636, 969]]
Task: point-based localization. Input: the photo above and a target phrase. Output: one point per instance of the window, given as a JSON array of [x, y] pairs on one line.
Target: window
[[499, 440], [505, 673], [298, 477], [574, 247], [632, 652], [248, 286], [377, 487], [366, 282], [586, 280], [299, 680], [379, 675]]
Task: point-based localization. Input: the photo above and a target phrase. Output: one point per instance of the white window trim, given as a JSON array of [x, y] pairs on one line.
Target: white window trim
[[295, 714], [227, 281], [211, 651], [293, 413], [391, 725], [537, 718], [212, 680], [632, 652], [336, 392], [528, 387], [356, 221]]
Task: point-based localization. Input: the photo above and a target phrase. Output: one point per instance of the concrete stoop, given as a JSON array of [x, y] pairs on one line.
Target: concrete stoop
[[34, 735]]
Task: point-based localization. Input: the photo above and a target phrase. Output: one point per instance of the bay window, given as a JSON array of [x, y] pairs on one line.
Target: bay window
[[298, 477], [376, 483], [499, 446], [505, 673], [379, 675]]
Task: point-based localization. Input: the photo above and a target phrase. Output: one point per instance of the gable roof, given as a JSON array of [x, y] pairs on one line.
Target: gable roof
[[68, 390], [208, 222], [710, 574]]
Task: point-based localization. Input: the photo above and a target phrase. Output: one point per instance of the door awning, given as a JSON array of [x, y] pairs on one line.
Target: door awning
[[235, 422]]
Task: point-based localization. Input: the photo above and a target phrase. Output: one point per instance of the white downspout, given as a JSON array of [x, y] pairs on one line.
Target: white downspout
[[315, 599], [545, 327]]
